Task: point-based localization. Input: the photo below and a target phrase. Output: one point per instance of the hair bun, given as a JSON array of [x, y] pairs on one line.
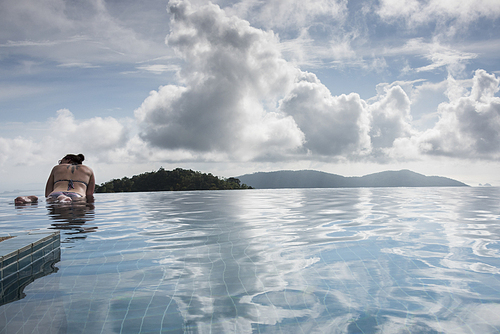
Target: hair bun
[[81, 157]]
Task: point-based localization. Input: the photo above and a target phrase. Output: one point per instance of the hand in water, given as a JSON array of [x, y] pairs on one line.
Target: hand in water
[[26, 199]]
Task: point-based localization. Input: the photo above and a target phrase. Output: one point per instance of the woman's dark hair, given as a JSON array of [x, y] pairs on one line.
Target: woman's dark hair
[[75, 159]]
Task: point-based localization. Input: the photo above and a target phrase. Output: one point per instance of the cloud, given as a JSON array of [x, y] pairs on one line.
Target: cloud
[[239, 98], [73, 33], [289, 14], [333, 125], [20, 151], [372, 35], [99, 137], [391, 119], [469, 124], [347, 127], [440, 56], [313, 33], [33, 19], [416, 12], [158, 68], [232, 78], [308, 123], [331, 33], [78, 65]]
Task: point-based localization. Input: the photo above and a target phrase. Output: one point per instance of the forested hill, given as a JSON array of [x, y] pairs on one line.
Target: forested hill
[[315, 179], [164, 180]]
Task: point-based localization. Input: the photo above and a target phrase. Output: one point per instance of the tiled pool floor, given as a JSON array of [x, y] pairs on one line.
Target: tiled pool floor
[[291, 261]]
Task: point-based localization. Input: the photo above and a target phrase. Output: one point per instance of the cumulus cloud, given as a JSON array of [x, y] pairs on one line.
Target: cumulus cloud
[[469, 124], [239, 98], [95, 135], [333, 125], [99, 137], [391, 119], [232, 77], [20, 151]]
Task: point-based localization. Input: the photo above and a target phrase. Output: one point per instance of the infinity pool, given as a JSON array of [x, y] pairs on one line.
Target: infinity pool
[[371, 260]]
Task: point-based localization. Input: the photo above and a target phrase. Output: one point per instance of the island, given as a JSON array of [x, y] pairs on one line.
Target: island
[[174, 180], [316, 179]]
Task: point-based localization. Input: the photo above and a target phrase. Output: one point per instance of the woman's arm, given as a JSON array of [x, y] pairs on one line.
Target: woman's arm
[[49, 187], [91, 186]]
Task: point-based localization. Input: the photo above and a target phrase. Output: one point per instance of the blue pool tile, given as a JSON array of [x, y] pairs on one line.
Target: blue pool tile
[[37, 264], [24, 261], [24, 251], [9, 258], [9, 270], [10, 279]]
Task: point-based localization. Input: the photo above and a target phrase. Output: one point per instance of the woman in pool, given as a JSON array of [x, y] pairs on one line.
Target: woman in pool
[[70, 180]]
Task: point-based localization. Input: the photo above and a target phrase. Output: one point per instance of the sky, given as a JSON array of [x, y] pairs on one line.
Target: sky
[[236, 87]]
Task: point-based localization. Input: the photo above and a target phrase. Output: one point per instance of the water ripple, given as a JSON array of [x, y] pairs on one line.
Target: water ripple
[[367, 260]]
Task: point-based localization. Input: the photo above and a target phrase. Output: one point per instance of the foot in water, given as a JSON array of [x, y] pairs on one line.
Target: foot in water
[[26, 199]]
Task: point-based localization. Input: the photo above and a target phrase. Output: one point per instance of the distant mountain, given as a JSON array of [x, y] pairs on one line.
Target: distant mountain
[[315, 179]]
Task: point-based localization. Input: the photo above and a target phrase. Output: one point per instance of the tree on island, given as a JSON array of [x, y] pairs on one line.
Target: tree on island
[[175, 180]]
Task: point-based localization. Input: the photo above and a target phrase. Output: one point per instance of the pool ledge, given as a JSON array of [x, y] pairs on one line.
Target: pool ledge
[[25, 257]]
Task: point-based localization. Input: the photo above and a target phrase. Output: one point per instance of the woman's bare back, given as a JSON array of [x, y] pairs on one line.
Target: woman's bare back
[[72, 178]]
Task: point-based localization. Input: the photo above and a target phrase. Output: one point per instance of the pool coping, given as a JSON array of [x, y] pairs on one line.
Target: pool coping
[[22, 260], [21, 242]]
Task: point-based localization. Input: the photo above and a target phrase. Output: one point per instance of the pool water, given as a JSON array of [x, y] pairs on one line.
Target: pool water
[[367, 260]]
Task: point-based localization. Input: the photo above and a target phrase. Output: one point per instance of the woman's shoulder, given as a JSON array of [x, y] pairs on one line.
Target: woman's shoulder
[[85, 169], [57, 167]]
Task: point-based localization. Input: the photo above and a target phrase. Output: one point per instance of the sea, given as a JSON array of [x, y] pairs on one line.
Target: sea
[[359, 260]]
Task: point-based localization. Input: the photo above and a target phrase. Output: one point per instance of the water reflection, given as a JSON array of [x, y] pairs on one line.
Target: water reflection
[[419, 260], [73, 219], [349, 260], [24, 206], [12, 288]]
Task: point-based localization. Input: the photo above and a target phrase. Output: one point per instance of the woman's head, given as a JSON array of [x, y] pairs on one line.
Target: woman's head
[[73, 159]]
